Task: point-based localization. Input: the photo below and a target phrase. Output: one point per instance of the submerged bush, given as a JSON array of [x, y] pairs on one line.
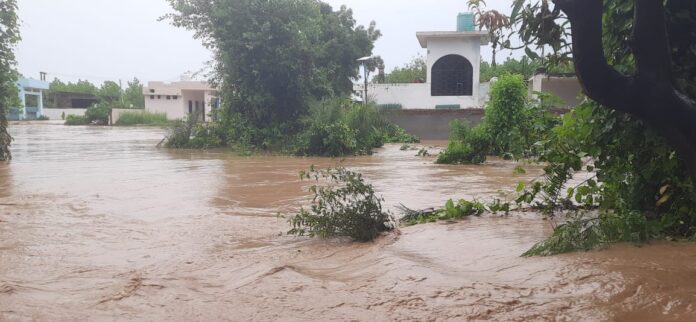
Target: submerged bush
[[511, 126], [640, 186], [76, 120], [345, 206], [142, 118], [466, 145], [452, 211], [99, 113], [190, 134], [340, 127]]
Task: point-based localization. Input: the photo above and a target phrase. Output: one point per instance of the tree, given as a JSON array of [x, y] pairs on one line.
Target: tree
[[493, 21], [650, 72], [110, 90], [414, 72], [133, 95], [9, 37], [275, 56]]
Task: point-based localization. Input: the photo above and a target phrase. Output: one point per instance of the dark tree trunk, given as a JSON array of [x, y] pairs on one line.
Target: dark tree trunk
[[649, 95]]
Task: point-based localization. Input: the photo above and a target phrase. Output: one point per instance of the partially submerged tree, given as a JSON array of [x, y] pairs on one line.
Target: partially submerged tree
[[274, 56], [633, 56], [9, 37]]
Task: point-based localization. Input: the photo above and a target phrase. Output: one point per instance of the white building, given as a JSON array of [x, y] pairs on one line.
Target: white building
[[454, 61], [181, 99]]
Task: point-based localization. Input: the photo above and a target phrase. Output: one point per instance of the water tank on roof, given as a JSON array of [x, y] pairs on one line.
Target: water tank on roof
[[465, 22]]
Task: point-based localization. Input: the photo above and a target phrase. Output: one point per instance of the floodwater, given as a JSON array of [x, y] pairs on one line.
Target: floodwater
[[98, 224]]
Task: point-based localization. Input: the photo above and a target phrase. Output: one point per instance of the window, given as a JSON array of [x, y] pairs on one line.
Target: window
[[190, 107], [175, 97], [152, 91], [152, 97], [452, 75], [169, 97], [159, 97]]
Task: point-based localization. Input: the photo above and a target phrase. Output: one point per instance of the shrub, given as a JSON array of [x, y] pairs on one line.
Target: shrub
[[190, 134], [142, 118], [505, 115], [338, 127], [346, 206], [396, 134], [98, 113], [467, 145], [76, 120]]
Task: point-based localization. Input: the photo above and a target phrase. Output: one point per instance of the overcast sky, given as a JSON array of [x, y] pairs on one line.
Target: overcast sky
[[122, 39]]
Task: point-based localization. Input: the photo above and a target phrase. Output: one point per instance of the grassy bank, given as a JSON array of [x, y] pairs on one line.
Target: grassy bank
[[142, 118]]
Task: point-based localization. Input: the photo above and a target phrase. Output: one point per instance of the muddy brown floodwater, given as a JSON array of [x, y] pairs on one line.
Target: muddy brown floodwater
[[98, 224]]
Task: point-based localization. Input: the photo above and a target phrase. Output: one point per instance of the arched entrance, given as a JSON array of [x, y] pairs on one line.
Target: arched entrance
[[452, 75]]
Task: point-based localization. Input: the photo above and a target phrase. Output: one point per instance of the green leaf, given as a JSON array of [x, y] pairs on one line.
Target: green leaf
[[520, 186]]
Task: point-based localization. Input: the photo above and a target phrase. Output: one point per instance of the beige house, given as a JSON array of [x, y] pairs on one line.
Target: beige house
[[181, 99]]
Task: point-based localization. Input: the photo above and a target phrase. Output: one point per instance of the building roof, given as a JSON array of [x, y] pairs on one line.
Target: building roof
[[424, 36], [176, 88], [32, 83]]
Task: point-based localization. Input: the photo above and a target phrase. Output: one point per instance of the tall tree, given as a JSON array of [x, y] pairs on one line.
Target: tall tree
[[110, 89], [494, 22], [274, 56], [415, 71], [650, 70], [9, 37], [133, 95]]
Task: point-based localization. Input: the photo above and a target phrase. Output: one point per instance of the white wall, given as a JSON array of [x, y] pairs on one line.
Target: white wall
[[174, 108], [55, 113], [417, 96]]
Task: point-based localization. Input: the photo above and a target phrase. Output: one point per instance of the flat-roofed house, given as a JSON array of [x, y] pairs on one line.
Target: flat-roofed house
[[181, 99], [31, 98]]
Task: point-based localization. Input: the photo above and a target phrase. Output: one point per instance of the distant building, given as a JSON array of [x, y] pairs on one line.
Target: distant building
[[72, 100], [31, 98], [181, 99], [453, 60], [564, 86]]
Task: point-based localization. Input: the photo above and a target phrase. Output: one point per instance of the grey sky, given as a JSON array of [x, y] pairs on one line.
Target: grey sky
[[122, 39]]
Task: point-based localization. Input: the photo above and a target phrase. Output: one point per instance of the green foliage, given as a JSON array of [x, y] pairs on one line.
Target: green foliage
[[76, 120], [340, 127], [636, 173], [275, 56], [588, 234], [191, 134], [142, 118], [505, 114], [109, 89], [99, 113], [345, 206], [81, 87], [9, 37], [467, 145], [525, 67], [415, 71], [512, 126], [452, 211], [133, 95], [396, 134]]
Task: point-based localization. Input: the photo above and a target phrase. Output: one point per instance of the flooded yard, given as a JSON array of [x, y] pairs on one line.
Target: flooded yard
[[98, 224]]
